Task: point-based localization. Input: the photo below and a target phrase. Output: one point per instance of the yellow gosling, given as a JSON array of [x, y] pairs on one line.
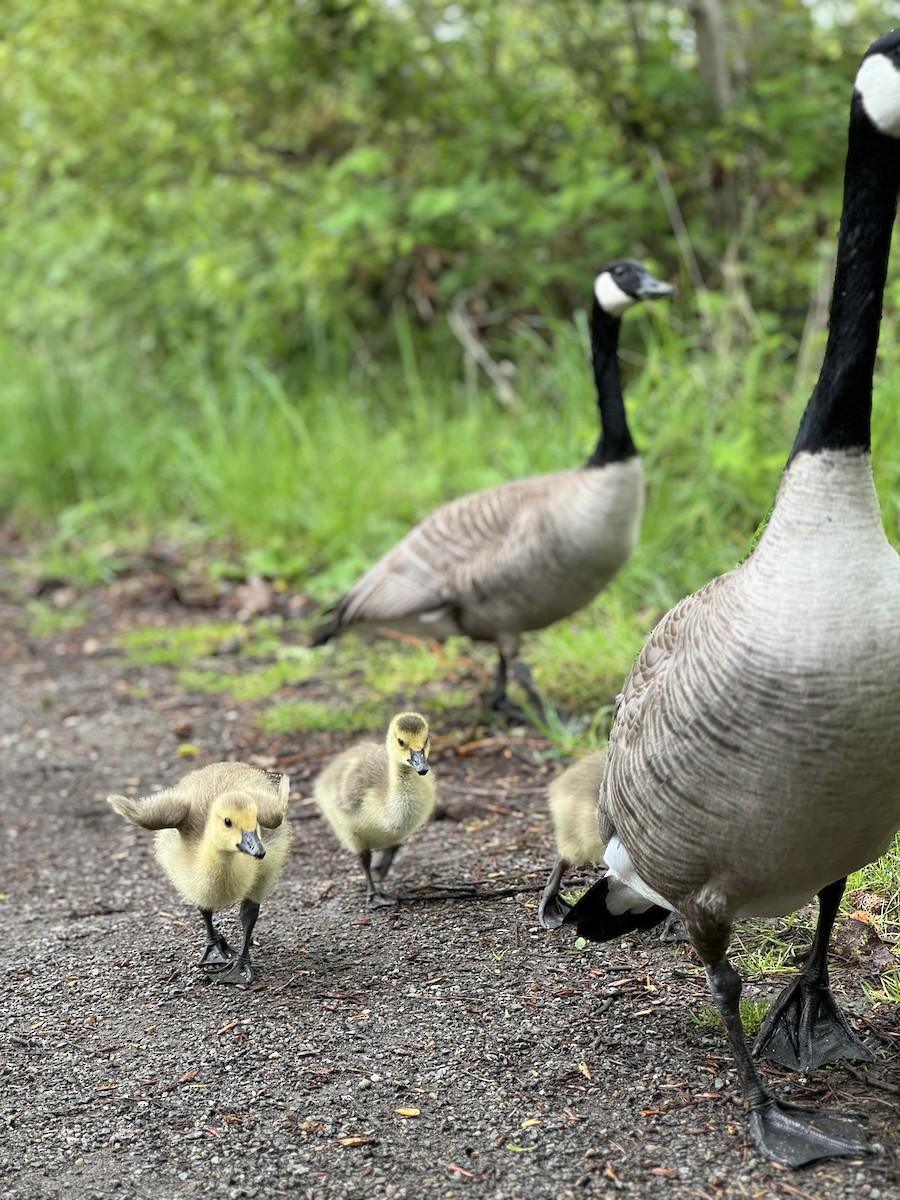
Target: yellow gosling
[[572, 797], [376, 796], [210, 844]]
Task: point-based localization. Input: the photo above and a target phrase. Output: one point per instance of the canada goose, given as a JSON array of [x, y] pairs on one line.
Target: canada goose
[[754, 761], [572, 797], [211, 846], [494, 564], [376, 796]]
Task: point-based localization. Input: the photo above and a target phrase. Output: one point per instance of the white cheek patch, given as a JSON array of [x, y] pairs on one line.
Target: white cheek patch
[[610, 296], [878, 83]]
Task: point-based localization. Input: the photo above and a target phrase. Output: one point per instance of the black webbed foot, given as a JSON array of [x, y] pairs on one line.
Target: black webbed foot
[[805, 1029], [552, 909], [239, 971], [217, 952], [552, 912], [795, 1136]]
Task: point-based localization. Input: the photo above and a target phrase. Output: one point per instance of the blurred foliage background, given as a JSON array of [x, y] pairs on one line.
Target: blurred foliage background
[[284, 170], [235, 236]]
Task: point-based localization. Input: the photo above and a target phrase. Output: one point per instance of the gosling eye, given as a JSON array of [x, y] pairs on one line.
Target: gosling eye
[[401, 742], [228, 822]]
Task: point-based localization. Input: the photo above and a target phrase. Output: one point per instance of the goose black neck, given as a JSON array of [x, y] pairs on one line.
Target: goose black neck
[[614, 443], [839, 413]]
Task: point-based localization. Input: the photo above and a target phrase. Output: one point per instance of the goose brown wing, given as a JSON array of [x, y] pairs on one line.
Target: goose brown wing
[[422, 573], [650, 754]]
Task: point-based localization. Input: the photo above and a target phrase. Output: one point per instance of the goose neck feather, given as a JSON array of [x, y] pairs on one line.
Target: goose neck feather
[[615, 442], [839, 412]]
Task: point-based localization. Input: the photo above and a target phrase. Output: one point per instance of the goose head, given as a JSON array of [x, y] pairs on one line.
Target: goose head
[[232, 826], [407, 741], [622, 284]]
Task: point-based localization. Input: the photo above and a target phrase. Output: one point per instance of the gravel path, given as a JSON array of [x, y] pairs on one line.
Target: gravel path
[[448, 1048]]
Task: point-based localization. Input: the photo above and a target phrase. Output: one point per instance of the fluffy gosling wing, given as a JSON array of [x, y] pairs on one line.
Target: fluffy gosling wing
[[344, 783], [206, 784], [169, 809], [271, 801]]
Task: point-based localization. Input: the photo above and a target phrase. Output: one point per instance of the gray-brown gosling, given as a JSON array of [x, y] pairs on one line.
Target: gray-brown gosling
[[375, 796], [754, 760], [495, 564], [572, 798], [210, 843]]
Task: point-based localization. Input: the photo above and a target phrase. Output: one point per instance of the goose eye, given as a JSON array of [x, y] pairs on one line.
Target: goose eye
[[401, 742], [228, 822]]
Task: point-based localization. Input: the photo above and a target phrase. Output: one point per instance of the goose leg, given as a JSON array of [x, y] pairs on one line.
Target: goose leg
[[552, 908], [496, 700], [805, 1028], [374, 897], [217, 952], [381, 862], [240, 970], [522, 672], [787, 1133]]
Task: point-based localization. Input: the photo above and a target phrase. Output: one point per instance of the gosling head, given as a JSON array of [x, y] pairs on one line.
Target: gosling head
[[232, 825], [626, 282], [407, 741]]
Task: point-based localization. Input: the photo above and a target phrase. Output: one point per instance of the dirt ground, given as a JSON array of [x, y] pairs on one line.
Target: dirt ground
[[445, 1048]]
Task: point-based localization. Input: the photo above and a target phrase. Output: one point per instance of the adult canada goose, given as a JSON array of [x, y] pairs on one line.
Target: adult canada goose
[[210, 844], [754, 761], [494, 564], [376, 796], [572, 798]]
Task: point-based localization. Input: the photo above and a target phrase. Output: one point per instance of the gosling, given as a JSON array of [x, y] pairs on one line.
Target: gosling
[[376, 796], [209, 843], [572, 798]]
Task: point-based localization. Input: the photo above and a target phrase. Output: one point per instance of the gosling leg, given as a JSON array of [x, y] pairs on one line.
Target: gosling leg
[[217, 952], [552, 908], [374, 897], [381, 862], [241, 970], [804, 1028]]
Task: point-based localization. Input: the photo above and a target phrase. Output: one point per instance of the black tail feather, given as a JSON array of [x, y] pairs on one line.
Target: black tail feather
[[593, 920], [325, 632]]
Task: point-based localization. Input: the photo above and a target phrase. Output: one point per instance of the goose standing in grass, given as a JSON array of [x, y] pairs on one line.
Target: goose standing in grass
[[755, 759], [572, 798], [375, 796], [211, 845], [494, 564]]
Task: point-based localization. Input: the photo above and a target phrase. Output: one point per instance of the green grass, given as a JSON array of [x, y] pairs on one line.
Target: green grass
[[753, 1014]]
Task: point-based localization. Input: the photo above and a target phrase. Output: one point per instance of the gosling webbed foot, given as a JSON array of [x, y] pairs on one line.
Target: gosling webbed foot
[[805, 1029], [552, 908], [552, 911], [217, 953], [379, 900], [795, 1135], [674, 929], [239, 971]]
